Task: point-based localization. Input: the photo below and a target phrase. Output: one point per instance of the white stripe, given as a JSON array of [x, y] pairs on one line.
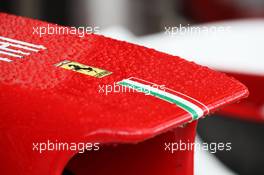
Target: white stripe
[[22, 43], [198, 110], [175, 92], [14, 51], [10, 54], [5, 59], [19, 46]]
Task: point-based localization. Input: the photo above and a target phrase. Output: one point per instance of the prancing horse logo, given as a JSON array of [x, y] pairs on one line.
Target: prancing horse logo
[[83, 69], [78, 68]]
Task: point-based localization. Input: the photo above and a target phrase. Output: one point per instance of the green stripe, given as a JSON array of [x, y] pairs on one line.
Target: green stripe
[[163, 97]]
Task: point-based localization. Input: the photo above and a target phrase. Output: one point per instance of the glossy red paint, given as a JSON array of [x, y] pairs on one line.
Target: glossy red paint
[[41, 102]]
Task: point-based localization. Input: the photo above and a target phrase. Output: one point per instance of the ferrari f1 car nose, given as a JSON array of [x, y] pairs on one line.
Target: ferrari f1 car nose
[[93, 104]]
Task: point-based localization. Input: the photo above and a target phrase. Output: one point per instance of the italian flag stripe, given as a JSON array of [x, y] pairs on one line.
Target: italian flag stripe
[[185, 104]]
